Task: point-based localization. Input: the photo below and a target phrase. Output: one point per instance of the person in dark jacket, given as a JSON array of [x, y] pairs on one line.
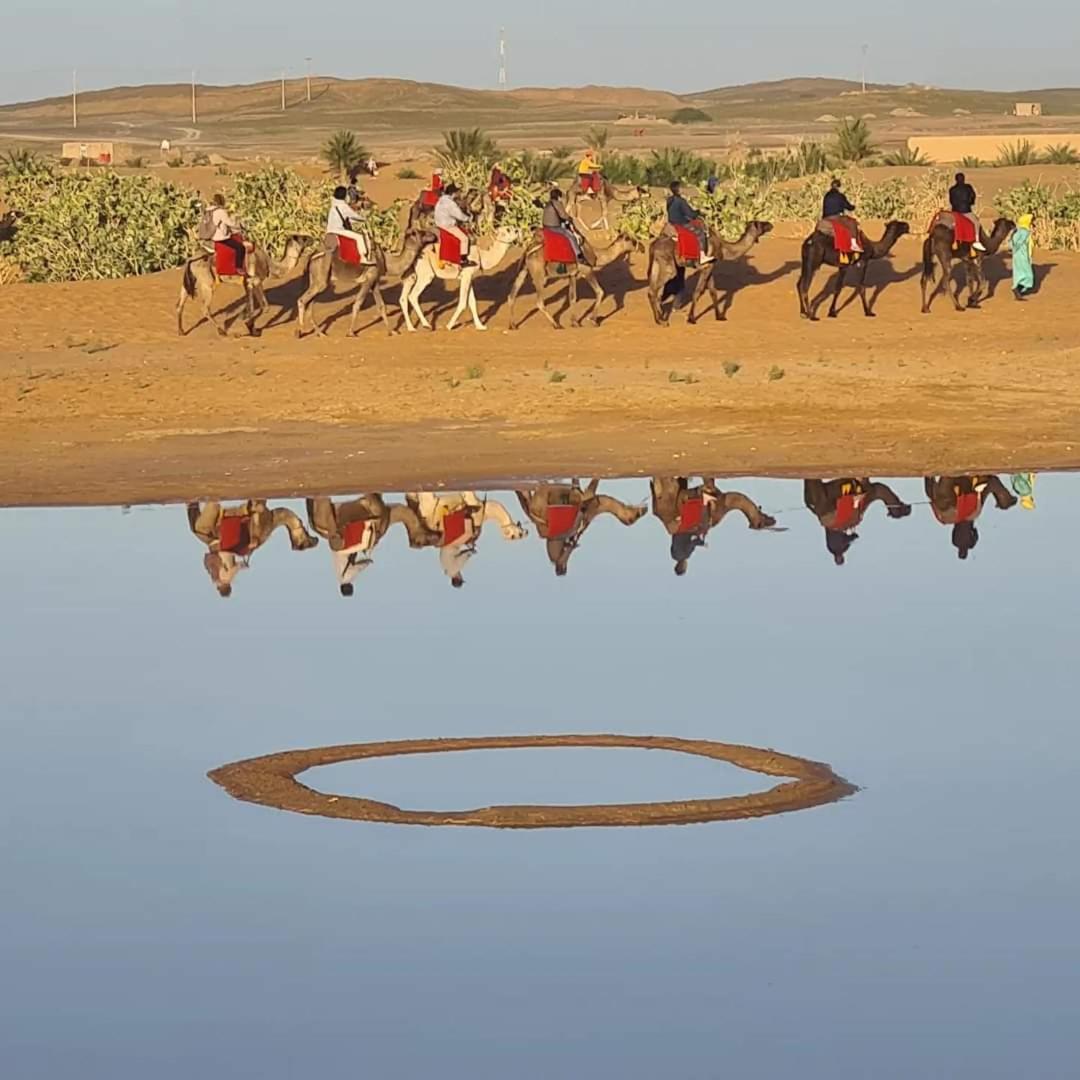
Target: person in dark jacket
[[836, 207], [962, 201], [681, 214], [558, 220]]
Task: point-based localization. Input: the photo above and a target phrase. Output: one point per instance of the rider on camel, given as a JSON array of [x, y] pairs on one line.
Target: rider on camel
[[835, 209], [557, 220], [499, 186], [450, 217], [681, 214], [227, 231], [589, 172], [339, 222], [962, 201]]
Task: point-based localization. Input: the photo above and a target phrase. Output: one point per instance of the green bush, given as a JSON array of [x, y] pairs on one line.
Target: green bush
[[972, 162], [342, 151], [689, 115], [543, 168], [625, 169], [467, 156], [908, 155], [1061, 154], [596, 138], [408, 174], [1018, 153], [201, 157], [673, 163], [853, 142], [135, 162], [95, 225]]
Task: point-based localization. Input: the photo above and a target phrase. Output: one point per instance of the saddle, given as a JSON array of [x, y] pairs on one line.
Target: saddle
[[561, 520], [454, 526], [968, 503], [692, 515], [354, 534], [234, 534], [349, 251], [963, 228], [687, 245], [449, 248], [843, 242], [849, 511], [591, 183], [228, 262], [558, 248]]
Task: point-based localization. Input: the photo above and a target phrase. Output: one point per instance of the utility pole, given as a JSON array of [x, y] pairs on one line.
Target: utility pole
[[194, 107], [865, 50], [307, 60], [74, 98], [283, 91], [502, 58]]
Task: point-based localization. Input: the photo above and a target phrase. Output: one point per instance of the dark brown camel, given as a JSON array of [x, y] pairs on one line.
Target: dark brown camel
[[819, 250], [667, 272], [841, 505], [939, 246], [959, 500], [690, 513], [474, 201], [536, 268]]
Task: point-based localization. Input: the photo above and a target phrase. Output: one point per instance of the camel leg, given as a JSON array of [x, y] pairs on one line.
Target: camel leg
[[975, 283], [539, 280], [841, 277], [714, 297], [606, 504], [946, 281], [860, 288], [810, 264], [1003, 497], [756, 518], [703, 279], [572, 299], [407, 286], [366, 283], [299, 537], [590, 278], [380, 303], [422, 279]]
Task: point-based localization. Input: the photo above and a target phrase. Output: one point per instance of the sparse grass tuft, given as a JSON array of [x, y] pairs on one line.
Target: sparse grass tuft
[[776, 373], [731, 368], [688, 378], [557, 377], [474, 371], [408, 174]]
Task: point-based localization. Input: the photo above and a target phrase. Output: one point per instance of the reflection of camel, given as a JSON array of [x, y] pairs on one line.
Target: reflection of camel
[[689, 513], [428, 268], [327, 269], [959, 500], [455, 519], [233, 534], [563, 512], [939, 245], [819, 250], [200, 280], [841, 505], [354, 528], [667, 272]]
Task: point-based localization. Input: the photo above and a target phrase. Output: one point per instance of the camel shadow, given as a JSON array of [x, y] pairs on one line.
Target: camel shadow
[[732, 278], [880, 274], [995, 272]]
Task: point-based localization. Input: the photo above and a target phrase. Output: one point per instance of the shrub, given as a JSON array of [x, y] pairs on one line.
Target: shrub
[[625, 169], [908, 155], [641, 220], [89, 226], [466, 157], [135, 162], [543, 168], [853, 142], [408, 173], [690, 116], [175, 162], [674, 164], [201, 158], [342, 151], [972, 162], [596, 137], [1018, 153], [1061, 154], [21, 162]]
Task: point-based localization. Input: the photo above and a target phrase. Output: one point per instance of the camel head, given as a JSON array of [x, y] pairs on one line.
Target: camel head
[[1002, 227], [896, 229], [506, 234], [514, 531], [759, 228]]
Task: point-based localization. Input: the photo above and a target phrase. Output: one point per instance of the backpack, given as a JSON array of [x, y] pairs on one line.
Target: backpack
[[207, 226]]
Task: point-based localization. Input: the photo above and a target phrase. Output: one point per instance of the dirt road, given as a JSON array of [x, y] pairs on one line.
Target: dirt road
[[101, 402]]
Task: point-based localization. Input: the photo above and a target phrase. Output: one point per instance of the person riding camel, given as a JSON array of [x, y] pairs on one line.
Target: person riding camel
[[354, 194], [841, 505], [340, 220], [227, 231], [959, 500], [590, 173], [557, 220], [499, 186], [962, 202], [682, 215], [835, 208], [450, 217]]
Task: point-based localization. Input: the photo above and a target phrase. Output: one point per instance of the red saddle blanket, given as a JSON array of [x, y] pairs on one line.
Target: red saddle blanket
[[591, 183], [843, 238], [234, 534], [348, 250], [354, 533], [561, 520], [968, 505], [964, 231], [454, 525], [692, 515], [228, 262], [557, 248], [449, 247], [429, 198], [848, 511], [688, 244]]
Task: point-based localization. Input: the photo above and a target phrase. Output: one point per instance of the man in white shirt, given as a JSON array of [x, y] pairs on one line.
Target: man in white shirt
[[339, 222], [450, 217], [227, 231]]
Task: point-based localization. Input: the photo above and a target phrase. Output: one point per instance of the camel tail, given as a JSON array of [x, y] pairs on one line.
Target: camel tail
[[928, 259], [189, 281]]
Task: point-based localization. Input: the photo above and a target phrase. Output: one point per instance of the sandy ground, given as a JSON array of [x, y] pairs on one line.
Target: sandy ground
[[101, 402]]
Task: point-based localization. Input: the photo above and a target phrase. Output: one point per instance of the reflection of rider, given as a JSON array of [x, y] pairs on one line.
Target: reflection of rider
[[959, 500], [558, 221], [689, 513], [841, 505]]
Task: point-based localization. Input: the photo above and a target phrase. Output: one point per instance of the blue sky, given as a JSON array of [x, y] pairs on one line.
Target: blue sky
[[698, 44]]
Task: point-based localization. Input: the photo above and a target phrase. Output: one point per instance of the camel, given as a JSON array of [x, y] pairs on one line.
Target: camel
[[457, 518], [819, 249], [959, 500], [326, 269], [534, 267], [428, 268], [232, 534], [939, 245], [841, 505], [667, 272], [9, 224], [201, 279], [474, 201], [563, 512], [354, 528], [690, 513], [576, 198]]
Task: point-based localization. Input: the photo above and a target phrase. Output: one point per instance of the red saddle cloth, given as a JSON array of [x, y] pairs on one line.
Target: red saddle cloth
[[234, 535], [449, 247], [964, 231], [591, 183], [429, 198], [968, 505], [454, 525], [354, 533], [843, 238], [557, 248], [227, 260], [688, 244], [348, 250], [561, 520], [847, 512], [692, 515]]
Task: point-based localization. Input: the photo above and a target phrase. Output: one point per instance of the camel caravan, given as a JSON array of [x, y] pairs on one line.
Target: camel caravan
[[685, 260], [452, 524]]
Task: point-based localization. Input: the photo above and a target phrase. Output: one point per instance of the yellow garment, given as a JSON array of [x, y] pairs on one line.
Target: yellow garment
[[1025, 221], [588, 165]]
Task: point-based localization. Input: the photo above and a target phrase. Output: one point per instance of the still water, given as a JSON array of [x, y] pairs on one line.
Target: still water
[[926, 926]]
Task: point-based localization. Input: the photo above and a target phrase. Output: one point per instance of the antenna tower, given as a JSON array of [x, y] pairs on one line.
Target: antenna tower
[[502, 59]]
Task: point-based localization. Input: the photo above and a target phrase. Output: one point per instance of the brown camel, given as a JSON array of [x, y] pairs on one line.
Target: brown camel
[[326, 269], [201, 280], [563, 512], [959, 500], [667, 272], [537, 269], [232, 534], [939, 245], [576, 199], [690, 513], [819, 250], [474, 201], [840, 506]]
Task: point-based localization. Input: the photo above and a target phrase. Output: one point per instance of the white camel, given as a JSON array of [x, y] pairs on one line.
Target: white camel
[[434, 507], [428, 268]]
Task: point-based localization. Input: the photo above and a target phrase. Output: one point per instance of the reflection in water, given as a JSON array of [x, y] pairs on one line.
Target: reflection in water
[[271, 781], [453, 522]]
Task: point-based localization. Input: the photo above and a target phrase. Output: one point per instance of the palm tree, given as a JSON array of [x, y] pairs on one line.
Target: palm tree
[[342, 151], [908, 155], [597, 138], [853, 142], [543, 168], [463, 146], [1062, 154]]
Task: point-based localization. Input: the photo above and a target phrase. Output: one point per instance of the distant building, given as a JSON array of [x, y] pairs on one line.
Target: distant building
[[100, 153], [1027, 108]]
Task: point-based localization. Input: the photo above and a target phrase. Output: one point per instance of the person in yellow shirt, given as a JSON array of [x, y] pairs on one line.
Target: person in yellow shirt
[[589, 173]]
